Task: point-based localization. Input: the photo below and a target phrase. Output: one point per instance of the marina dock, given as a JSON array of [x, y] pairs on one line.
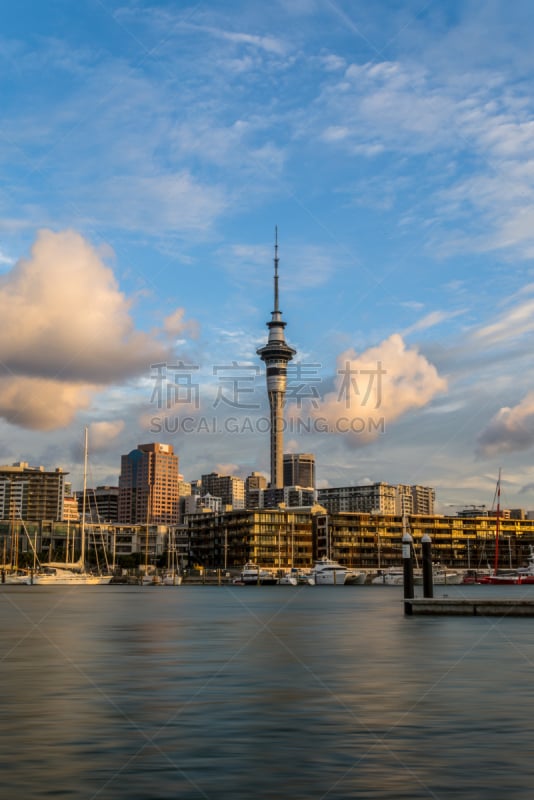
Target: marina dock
[[476, 606]]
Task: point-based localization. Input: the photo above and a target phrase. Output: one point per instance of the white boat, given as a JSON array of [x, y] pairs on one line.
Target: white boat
[[71, 573], [394, 576], [442, 576], [253, 574], [289, 579], [355, 577], [61, 576], [326, 572], [304, 577], [172, 579], [15, 577]]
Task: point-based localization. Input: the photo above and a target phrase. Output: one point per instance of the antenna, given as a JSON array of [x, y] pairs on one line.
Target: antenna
[[276, 309]]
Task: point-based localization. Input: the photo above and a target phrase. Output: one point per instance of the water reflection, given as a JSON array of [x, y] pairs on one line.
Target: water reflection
[[215, 692]]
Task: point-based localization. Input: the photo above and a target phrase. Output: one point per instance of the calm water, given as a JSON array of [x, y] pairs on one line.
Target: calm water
[[261, 692]]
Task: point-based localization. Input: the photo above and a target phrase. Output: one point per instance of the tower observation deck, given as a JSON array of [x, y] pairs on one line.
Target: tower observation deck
[[276, 354]]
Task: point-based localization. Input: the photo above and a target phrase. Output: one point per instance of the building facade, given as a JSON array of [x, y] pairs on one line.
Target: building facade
[[376, 497], [299, 470], [31, 493], [148, 486], [229, 488], [380, 498], [101, 504], [254, 484]]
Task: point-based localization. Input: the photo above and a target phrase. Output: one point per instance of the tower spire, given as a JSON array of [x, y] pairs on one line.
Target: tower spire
[[276, 354], [276, 309]]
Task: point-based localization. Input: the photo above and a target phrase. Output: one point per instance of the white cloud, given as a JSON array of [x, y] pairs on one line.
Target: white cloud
[[175, 324], [5, 259], [67, 330], [385, 382], [511, 325], [102, 435], [41, 404], [510, 430], [430, 320], [171, 202]]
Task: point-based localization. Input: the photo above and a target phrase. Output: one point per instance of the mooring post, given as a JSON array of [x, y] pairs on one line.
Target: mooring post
[[426, 544], [407, 562]]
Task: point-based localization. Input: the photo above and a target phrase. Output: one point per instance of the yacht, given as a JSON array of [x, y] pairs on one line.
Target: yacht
[[59, 576], [253, 574], [355, 577], [329, 573], [394, 576], [441, 576]]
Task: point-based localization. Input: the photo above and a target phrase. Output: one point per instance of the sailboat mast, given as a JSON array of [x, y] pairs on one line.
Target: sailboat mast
[[497, 524], [82, 556]]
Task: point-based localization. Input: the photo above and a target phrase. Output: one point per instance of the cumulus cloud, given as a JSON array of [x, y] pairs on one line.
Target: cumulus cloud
[[66, 331], [176, 325], [103, 434], [510, 430], [41, 404], [383, 383]]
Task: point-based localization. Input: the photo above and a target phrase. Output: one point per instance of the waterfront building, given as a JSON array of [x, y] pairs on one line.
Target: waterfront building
[[276, 354], [272, 537], [281, 537], [380, 498], [299, 470], [148, 485], [31, 493], [229, 488]]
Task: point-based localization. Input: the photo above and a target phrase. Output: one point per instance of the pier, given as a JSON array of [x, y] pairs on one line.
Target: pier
[[447, 606]]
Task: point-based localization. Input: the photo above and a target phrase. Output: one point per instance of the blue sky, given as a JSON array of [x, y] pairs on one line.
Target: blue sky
[[148, 151]]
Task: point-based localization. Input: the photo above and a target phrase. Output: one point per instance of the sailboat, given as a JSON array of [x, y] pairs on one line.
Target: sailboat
[[495, 578], [72, 573]]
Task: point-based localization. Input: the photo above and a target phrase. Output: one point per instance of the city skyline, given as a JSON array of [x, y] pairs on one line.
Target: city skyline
[[148, 155]]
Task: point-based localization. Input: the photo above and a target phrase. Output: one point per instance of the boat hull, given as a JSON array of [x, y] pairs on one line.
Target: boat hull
[[64, 578]]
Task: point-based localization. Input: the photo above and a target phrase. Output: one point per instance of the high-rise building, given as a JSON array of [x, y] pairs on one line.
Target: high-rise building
[[415, 499], [254, 485], [148, 486], [375, 497], [229, 488], [299, 470], [101, 504], [31, 493], [382, 498], [276, 354]]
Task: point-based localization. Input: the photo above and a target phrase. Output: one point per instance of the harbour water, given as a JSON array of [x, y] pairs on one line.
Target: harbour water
[[261, 692]]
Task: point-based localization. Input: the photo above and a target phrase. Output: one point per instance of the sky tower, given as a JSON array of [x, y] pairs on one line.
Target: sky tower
[[276, 353]]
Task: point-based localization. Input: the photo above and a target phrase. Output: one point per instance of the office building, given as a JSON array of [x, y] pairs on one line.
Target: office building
[[229, 488], [101, 504], [299, 470], [254, 485], [148, 486]]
